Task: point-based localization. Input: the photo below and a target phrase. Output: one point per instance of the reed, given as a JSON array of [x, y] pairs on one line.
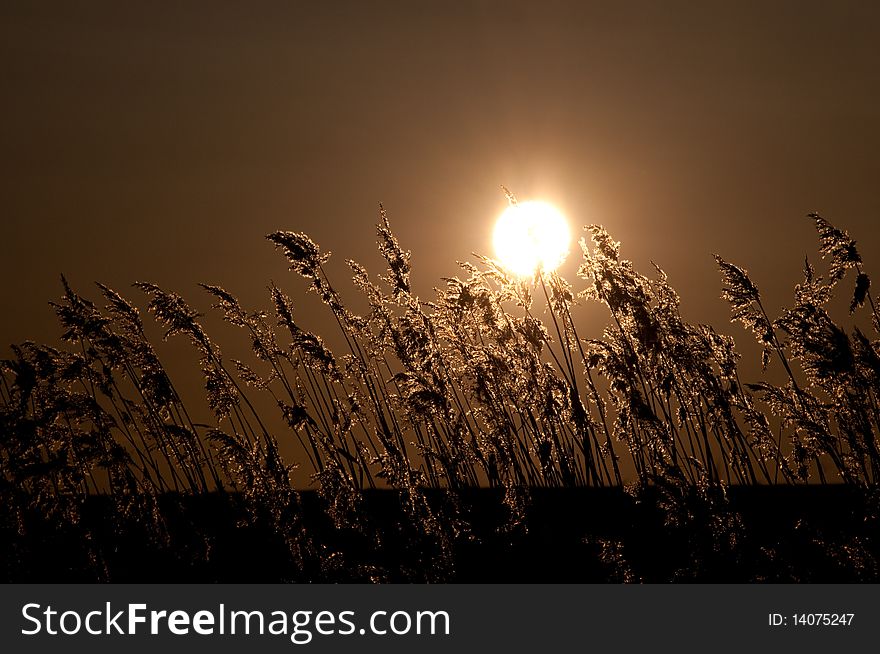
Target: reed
[[489, 384]]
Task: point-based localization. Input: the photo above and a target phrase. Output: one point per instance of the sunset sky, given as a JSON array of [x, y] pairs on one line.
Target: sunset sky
[[162, 144]]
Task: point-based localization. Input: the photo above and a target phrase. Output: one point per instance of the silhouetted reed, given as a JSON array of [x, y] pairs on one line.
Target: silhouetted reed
[[488, 384]]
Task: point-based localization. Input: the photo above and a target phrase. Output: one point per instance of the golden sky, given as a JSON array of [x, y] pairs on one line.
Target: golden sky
[[162, 144]]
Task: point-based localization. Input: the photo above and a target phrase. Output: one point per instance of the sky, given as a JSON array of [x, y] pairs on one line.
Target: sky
[[161, 143]]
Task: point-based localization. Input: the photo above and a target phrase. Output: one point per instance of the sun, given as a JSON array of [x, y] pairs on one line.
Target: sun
[[531, 236]]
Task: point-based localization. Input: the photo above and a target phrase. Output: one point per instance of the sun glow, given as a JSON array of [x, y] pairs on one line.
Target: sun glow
[[530, 236]]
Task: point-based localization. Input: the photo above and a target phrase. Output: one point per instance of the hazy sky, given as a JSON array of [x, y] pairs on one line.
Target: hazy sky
[[162, 144]]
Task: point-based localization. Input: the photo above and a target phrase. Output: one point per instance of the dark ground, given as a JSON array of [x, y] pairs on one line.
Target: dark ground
[[770, 534]]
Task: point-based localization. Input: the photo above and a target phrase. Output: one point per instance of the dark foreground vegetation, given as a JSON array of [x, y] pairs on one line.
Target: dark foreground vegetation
[[802, 534], [475, 437]]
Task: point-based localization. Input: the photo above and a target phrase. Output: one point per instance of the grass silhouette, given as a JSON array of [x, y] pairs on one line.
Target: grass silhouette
[[451, 428]]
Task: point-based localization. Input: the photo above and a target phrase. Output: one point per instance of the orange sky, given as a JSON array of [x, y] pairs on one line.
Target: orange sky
[[162, 144]]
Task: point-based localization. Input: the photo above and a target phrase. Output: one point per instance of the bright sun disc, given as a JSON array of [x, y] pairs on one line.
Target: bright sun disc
[[530, 236]]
